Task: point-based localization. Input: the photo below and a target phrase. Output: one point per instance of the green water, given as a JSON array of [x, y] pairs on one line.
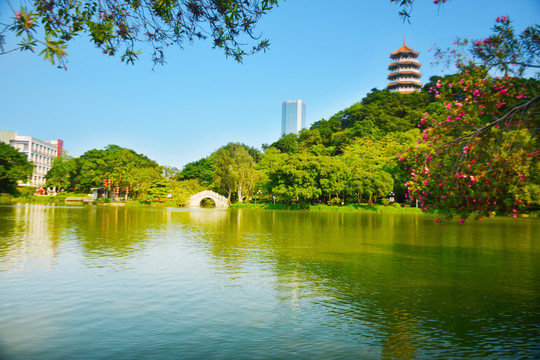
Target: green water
[[140, 283]]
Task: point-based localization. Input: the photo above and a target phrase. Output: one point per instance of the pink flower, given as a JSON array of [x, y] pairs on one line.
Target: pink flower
[[18, 15], [461, 221], [30, 21]]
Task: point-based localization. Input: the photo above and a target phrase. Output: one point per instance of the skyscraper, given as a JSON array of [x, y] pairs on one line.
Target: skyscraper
[[293, 116]]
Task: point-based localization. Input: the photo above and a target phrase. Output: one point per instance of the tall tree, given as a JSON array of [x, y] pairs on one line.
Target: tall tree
[[62, 173], [235, 170], [14, 166], [202, 169]]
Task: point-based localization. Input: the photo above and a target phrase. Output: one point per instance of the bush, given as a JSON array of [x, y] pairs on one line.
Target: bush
[[26, 191], [334, 201]]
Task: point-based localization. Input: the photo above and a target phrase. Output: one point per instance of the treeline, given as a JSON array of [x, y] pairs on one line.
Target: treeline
[[360, 155], [347, 158], [123, 172]]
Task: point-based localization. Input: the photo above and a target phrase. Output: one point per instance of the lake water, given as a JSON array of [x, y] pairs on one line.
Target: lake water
[[141, 283]]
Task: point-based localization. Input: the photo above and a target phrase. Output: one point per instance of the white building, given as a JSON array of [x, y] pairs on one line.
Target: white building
[[41, 153], [293, 116]]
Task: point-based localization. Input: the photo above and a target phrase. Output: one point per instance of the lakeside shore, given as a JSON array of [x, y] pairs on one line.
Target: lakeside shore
[[68, 199]]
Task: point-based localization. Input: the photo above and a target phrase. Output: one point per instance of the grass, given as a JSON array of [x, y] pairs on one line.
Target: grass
[[396, 208]]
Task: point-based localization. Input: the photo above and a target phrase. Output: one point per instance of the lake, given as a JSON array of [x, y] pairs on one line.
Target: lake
[[95, 282]]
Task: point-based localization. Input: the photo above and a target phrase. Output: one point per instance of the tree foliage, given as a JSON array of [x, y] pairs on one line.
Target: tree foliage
[[202, 169], [122, 27], [14, 167], [480, 154], [62, 173], [235, 170]]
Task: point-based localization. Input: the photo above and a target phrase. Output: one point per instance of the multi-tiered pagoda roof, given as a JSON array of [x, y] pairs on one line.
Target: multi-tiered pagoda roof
[[404, 70]]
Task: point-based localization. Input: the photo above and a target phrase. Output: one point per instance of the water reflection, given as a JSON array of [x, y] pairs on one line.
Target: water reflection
[[29, 236], [406, 278], [296, 284], [116, 231]]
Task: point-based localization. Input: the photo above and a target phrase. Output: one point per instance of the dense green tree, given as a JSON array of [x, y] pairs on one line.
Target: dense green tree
[[327, 128], [158, 189], [292, 177], [182, 190], [333, 177], [62, 173], [202, 169], [14, 166], [369, 161], [388, 111], [235, 171], [130, 174], [288, 143]]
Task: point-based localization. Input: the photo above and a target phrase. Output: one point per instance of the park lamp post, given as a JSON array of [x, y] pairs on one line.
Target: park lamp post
[[259, 193], [391, 197]]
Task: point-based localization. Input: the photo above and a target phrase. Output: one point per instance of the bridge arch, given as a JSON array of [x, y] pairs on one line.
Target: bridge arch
[[221, 201]]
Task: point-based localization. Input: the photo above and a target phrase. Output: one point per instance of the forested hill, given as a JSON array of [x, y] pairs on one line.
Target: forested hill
[[380, 113]]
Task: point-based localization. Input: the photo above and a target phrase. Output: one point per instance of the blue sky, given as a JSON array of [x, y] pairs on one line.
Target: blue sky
[[329, 54]]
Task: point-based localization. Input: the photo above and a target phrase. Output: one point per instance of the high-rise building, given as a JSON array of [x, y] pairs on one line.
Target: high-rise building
[[39, 152], [293, 116], [404, 70]]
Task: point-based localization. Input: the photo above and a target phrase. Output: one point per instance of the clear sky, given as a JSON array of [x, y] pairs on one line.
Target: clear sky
[[328, 53]]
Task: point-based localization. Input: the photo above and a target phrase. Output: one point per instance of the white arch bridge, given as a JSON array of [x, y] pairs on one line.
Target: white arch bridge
[[221, 201]]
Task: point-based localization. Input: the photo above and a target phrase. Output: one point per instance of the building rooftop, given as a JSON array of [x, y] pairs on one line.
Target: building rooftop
[[404, 49]]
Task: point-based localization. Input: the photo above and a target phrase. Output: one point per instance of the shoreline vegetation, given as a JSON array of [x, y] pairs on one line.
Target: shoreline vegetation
[[60, 199]]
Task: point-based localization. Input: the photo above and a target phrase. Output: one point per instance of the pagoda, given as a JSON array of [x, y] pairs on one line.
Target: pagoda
[[404, 70]]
